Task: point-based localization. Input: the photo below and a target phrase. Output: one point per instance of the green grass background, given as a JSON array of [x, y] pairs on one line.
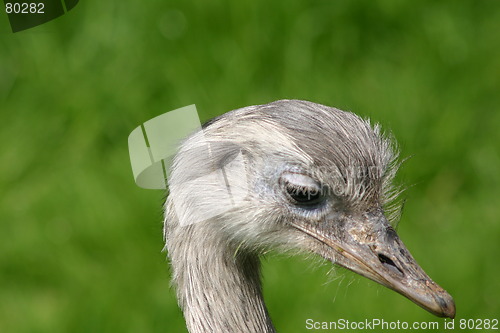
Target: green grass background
[[80, 244]]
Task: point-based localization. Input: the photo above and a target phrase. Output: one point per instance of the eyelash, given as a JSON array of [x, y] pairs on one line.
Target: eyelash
[[303, 195]]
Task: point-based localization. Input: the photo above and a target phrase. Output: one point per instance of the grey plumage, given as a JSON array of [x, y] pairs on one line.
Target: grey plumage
[[286, 175]]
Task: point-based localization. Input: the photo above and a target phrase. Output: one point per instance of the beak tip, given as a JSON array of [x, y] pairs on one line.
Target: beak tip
[[446, 305], [450, 309]]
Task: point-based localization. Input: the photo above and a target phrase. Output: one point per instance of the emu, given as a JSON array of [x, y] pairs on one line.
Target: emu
[[289, 175]]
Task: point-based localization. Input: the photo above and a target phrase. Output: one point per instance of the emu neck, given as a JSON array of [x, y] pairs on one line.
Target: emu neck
[[217, 289]]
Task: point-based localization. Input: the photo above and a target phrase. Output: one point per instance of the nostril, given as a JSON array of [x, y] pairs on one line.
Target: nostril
[[389, 264], [385, 259]]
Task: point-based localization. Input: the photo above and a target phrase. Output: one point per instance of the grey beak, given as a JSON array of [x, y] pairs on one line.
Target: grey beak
[[370, 247]]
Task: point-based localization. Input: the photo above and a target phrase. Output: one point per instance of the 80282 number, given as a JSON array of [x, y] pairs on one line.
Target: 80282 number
[[25, 8], [478, 324]]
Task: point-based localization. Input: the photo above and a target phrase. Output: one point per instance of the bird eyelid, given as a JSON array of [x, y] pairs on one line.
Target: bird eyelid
[[301, 188], [299, 180]]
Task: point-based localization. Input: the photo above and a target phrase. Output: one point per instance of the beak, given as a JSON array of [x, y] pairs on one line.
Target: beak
[[370, 247]]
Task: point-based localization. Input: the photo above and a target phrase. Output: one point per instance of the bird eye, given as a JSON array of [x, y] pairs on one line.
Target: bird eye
[[303, 195], [301, 189]]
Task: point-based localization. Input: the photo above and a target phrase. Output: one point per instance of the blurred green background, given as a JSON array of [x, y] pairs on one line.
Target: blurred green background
[[80, 244]]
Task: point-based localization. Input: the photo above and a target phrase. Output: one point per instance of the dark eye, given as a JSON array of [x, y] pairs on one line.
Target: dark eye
[[303, 195], [301, 189]]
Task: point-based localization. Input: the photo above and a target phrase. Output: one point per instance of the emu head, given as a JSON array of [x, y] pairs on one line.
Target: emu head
[[299, 175]]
